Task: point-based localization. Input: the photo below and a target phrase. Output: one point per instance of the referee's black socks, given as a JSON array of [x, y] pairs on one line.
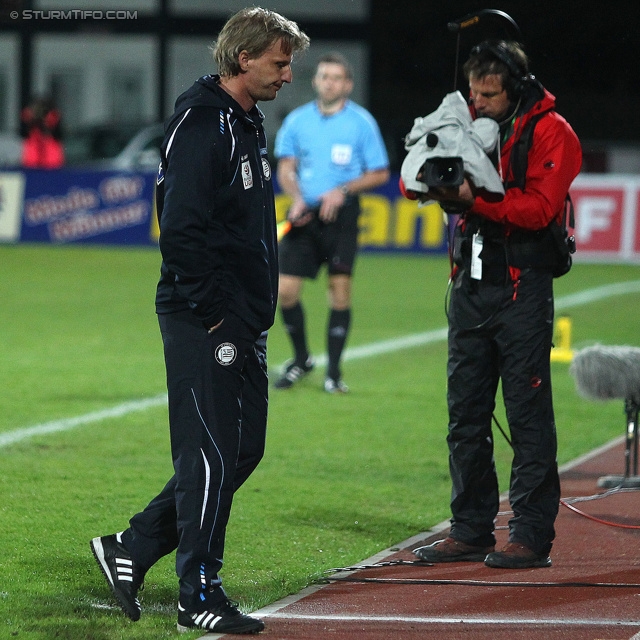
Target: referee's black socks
[[293, 319], [337, 332]]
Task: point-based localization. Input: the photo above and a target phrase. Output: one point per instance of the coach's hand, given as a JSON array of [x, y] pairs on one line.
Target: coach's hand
[[215, 326]]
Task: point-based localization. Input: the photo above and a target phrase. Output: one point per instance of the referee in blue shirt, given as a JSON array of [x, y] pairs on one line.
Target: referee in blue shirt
[[329, 151]]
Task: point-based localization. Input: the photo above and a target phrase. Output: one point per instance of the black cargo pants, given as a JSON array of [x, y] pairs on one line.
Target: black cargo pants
[[217, 385], [502, 332]]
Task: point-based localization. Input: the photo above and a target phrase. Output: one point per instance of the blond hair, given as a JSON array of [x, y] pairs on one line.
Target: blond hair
[[254, 30]]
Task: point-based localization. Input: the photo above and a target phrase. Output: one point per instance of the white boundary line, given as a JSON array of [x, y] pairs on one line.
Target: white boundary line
[[17, 435], [591, 454], [580, 622], [272, 611], [355, 353], [596, 294]]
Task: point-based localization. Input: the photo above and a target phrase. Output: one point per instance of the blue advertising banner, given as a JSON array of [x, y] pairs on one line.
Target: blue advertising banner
[[104, 207], [66, 206], [81, 206]]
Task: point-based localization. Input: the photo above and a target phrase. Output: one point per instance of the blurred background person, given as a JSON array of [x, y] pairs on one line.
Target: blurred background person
[[329, 150], [41, 128]]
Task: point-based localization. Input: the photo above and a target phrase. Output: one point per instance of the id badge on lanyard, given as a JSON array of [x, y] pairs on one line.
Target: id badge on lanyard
[[476, 260]]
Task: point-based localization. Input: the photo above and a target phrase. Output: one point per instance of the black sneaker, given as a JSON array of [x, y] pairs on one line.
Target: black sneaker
[[294, 372], [220, 618], [124, 576]]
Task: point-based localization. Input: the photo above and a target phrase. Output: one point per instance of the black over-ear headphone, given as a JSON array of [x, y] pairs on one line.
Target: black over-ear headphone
[[518, 76]]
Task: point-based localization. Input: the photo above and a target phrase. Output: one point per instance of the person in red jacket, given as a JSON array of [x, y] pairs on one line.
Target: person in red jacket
[[506, 255], [42, 132]]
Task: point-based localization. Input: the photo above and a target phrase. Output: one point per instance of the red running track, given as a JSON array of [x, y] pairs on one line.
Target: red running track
[[592, 591]]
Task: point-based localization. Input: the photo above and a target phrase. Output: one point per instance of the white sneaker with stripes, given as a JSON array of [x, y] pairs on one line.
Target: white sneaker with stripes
[[220, 618]]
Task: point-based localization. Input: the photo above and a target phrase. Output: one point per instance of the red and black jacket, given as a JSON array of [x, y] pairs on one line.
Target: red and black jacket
[[520, 231]]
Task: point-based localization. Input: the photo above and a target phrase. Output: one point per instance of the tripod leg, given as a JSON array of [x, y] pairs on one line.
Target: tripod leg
[[635, 439], [629, 438]]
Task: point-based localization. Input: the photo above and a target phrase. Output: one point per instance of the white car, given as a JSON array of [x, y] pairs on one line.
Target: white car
[[112, 147], [142, 152]]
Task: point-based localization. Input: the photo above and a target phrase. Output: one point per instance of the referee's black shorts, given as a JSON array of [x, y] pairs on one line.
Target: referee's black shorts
[[305, 249]]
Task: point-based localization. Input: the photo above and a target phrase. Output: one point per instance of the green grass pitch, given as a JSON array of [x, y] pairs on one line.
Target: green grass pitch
[[343, 477]]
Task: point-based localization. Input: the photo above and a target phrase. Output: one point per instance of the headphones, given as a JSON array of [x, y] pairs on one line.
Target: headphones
[[518, 76]]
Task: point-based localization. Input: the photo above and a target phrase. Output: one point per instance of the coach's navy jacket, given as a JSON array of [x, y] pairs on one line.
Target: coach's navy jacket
[[216, 211]]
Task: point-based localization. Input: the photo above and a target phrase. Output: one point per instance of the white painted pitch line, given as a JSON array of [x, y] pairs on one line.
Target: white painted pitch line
[[596, 294], [11, 437], [438, 335], [564, 622], [354, 353]]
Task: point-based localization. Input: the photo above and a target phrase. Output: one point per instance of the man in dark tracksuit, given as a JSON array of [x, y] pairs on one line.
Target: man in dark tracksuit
[[501, 317], [215, 301]]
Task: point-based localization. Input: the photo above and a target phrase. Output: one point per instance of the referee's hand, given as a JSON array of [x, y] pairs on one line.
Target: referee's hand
[[298, 214], [331, 203]]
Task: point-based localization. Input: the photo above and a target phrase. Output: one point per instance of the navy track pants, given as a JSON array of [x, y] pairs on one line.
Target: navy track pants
[[217, 387]]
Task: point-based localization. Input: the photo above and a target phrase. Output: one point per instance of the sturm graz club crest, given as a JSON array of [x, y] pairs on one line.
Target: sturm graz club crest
[[226, 354], [266, 169]]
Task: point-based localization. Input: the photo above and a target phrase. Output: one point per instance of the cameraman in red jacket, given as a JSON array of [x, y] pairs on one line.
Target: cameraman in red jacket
[[506, 255]]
